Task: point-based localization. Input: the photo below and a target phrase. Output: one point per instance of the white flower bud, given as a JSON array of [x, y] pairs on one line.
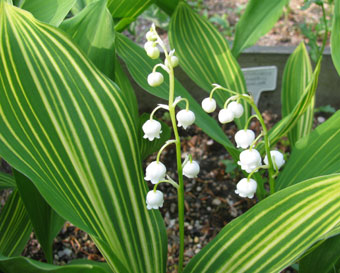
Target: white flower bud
[[173, 60], [246, 188], [155, 172], [155, 79], [148, 44], [236, 108], [225, 116], [277, 157], [154, 199], [152, 129], [151, 36], [153, 52], [209, 105], [244, 138], [249, 160], [191, 169], [185, 118]]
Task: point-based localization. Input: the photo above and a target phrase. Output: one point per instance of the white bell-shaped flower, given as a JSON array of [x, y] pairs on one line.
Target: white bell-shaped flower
[[148, 44], [173, 60], [277, 157], [185, 118], [155, 79], [249, 160], [152, 52], [155, 172], [246, 188], [209, 105], [152, 129], [191, 169], [225, 116], [154, 199], [244, 138], [236, 108], [151, 36]]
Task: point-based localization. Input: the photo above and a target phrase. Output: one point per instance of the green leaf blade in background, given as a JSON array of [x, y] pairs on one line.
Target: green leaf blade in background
[[296, 76], [314, 155], [45, 221], [93, 30], [135, 58], [52, 12], [22, 264], [275, 232], [205, 56], [258, 18], [168, 6], [66, 127], [6, 181], [15, 226], [335, 36]]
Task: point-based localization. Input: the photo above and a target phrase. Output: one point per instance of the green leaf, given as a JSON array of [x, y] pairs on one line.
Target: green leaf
[[296, 76], [52, 12], [92, 29], [80, 5], [168, 6], [15, 226], [258, 18], [21, 264], [314, 155], [46, 222], [284, 126], [335, 36], [148, 147], [67, 128], [205, 56], [140, 66], [127, 10], [323, 258], [6, 181], [125, 86], [275, 232]]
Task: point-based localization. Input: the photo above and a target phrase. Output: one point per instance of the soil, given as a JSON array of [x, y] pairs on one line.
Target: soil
[[210, 200]]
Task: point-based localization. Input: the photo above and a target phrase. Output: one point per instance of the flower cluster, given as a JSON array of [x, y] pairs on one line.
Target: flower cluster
[[250, 159], [156, 170]]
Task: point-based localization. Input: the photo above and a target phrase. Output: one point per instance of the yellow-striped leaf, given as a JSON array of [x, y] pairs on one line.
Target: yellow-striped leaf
[[314, 155], [22, 264], [15, 226], [275, 232], [66, 126], [45, 221], [140, 66], [205, 56], [49, 11], [258, 18], [296, 76], [6, 181], [335, 36]]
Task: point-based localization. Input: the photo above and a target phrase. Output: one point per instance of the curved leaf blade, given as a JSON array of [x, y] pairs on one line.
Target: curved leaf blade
[[275, 232], [22, 264], [67, 128], [6, 181], [335, 36], [205, 56], [314, 155], [296, 76], [15, 226], [135, 58], [45, 221], [258, 18]]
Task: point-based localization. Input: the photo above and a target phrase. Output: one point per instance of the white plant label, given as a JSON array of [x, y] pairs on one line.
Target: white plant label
[[260, 79]]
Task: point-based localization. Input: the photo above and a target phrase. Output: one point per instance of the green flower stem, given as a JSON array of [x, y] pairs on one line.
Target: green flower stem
[[256, 140], [218, 87], [248, 121], [256, 169], [173, 183], [169, 142], [186, 103], [266, 142], [180, 190], [154, 110]]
